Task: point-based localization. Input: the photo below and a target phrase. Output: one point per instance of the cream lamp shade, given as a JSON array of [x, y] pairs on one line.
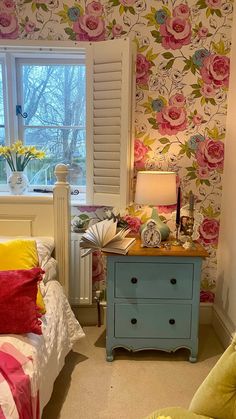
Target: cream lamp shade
[[156, 188]]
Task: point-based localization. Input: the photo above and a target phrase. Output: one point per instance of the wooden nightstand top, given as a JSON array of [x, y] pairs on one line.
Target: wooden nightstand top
[[137, 250]]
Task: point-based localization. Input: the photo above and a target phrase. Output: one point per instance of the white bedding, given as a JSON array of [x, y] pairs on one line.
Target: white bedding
[[48, 351]]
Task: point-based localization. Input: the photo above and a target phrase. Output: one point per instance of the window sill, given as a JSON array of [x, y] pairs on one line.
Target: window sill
[[38, 196]]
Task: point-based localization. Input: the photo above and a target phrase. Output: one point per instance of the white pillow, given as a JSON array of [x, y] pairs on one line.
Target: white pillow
[[45, 245], [50, 268]]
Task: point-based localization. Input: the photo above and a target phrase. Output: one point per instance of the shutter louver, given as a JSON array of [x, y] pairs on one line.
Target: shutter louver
[[110, 123]]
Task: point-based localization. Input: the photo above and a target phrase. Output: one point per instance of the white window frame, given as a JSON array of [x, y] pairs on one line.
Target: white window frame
[[94, 53]]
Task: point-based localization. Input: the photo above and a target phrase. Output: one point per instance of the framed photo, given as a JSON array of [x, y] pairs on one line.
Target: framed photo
[[186, 225]]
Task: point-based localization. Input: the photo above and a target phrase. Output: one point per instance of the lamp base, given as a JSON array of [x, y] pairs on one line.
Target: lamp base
[[164, 229]]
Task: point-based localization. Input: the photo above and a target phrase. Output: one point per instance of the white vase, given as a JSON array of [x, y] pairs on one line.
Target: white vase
[[17, 183]]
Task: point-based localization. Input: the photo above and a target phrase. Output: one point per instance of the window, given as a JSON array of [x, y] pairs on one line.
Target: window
[[74, 102]]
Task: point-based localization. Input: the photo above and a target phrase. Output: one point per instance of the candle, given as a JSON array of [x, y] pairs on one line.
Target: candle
[[191, 201], [178, 208]]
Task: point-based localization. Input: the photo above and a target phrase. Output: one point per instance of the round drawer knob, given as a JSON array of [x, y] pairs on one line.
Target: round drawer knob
[[133, 321], [173, 281], [134, 280], [172, 321]]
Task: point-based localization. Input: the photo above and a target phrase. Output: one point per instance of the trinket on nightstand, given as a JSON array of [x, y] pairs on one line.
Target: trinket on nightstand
[[150, 234]]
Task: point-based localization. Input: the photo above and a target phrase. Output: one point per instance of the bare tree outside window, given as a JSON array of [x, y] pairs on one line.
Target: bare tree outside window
[[54, 100]]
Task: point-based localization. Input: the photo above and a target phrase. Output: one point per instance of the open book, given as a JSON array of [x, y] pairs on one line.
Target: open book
[[104, 236]]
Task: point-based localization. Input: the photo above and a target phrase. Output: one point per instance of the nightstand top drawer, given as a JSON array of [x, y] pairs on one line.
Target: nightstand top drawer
[[154, 280]]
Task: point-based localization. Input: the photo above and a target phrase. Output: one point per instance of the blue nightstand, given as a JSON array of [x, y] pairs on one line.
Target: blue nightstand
[[153, 299]]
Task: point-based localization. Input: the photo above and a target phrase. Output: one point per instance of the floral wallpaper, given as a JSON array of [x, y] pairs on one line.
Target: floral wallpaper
[[182, 80]]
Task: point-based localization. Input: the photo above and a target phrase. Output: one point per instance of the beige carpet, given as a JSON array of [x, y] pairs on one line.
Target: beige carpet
[[131, 386]]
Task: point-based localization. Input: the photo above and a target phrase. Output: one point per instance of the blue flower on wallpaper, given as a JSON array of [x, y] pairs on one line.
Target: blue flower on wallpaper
[[157, 105], [195, 140], [160, 16], [198, 56], [73, 13]]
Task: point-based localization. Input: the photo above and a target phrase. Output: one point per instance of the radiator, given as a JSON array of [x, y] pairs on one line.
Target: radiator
[[80, 292]]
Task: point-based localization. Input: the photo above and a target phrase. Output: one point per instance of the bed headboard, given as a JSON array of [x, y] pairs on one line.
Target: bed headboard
[[42, 215]]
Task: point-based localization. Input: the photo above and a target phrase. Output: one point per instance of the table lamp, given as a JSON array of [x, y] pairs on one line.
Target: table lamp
[[156, 188]]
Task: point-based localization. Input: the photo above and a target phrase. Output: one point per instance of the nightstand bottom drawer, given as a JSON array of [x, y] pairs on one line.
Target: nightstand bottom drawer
[[153, 320]]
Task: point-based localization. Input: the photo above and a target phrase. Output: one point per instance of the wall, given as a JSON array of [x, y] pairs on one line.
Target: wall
[[225, 306], [182, 83]]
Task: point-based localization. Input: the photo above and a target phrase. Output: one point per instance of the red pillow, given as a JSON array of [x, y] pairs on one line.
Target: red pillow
[[18, 310]]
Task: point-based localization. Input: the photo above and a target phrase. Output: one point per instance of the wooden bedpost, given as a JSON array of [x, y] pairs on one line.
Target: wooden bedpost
[[62, 224]]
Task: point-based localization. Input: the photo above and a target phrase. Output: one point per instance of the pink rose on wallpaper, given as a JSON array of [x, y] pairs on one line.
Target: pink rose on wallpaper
[[97, 267], [142, 69], [30, 27], [197, 119], [207, 296], [8, 6], [139, 150], [207, 90], [203, 172], [214, 4], [177, 100], [116, 30], [215, 70], [171, 120], [133, 222], [8, 26], [182, 10], [203, 32], [94, 8], [210, 154], [140, 165], [209, 231], [89, 28], [175, 33]]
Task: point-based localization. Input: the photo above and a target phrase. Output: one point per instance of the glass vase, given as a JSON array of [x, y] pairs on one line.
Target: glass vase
[[18, 183]]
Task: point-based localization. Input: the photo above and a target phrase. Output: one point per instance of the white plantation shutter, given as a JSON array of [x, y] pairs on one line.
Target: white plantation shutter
[[110, 81]]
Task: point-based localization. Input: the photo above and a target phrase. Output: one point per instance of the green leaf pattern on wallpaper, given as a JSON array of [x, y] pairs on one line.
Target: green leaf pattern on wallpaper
[[182, 82]]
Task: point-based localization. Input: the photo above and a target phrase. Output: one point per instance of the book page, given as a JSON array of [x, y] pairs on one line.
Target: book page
[[98, 227], [86, 252], [110, 226], [91, 236], [121, 234], [87, 243]]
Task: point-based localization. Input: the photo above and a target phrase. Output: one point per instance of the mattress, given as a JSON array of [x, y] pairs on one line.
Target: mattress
[[47, 352]]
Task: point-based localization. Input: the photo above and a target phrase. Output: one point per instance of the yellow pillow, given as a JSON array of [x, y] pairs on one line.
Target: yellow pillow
[[21, 254], [40, 302], [18, 254]]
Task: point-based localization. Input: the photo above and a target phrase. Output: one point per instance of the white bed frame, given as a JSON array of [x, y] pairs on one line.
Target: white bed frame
[[42, 215]]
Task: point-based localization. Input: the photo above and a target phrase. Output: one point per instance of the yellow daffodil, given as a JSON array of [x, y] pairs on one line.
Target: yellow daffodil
[[18, 155]]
